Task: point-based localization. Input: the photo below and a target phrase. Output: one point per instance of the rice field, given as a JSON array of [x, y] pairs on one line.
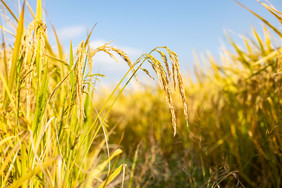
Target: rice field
[[219, 126]]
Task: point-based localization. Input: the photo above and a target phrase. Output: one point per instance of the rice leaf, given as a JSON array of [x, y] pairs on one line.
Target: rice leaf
[[262, 19], [112, 176], [259, 40], [59, 45], [8, 8], [8, 31], [15, 57], [273, 11], [5, 57], [89, 35], [39, 10], [32, 173], [30, 10], [71, 64]]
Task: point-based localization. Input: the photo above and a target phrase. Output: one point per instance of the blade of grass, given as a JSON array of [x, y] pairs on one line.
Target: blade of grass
[[239, 51], [88, 37], [133, 165], [262, 19], [72, 74], [11, 165], [100, 167], [5, 57], [7, 92], [11, 12], [8, 31], [112, 176], [39, 10], [269, 56], [30, 10], [273, 11], [8, 158], [60, 47], [15, 56], [259, 40], [59, 60], [36, 170]]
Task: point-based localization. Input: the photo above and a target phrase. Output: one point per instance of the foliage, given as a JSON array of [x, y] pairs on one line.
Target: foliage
[[51, 132], [235, 115], [54, 134]]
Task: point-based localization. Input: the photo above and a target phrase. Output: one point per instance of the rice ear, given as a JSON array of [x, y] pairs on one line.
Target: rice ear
[[165, 77], [80, 58], [109, 49]]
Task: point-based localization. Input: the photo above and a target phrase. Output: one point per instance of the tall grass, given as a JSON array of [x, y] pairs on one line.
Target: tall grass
[[235, 115], [55, 134], [52, 135]]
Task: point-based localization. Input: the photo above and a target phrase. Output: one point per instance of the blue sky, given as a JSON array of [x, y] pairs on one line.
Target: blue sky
[[137, 26]]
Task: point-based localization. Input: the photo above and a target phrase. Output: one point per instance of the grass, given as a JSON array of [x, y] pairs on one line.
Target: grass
[[54, 134], [234, 137]]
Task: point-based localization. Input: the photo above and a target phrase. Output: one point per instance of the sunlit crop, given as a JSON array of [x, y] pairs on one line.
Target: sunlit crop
[[220, 126]]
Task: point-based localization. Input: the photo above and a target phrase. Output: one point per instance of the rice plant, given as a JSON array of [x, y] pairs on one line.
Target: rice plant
[[234, 109], [56, 133], [52, 134]]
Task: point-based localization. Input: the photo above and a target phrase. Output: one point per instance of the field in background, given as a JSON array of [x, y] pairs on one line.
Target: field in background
[[220, 127]]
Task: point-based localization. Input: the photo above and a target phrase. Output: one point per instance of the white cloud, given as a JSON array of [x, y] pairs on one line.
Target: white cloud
[[70, 32]]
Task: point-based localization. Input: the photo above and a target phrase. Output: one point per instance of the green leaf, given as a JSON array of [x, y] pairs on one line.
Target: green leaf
[[39, 10], [88, 37], [37, 170], [97, 170], [15, 56], [60, 47], [112, 176], [11, 12], [262, 19]]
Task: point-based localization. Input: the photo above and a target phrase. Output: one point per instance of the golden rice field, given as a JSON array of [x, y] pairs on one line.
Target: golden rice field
[[217, 127]]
